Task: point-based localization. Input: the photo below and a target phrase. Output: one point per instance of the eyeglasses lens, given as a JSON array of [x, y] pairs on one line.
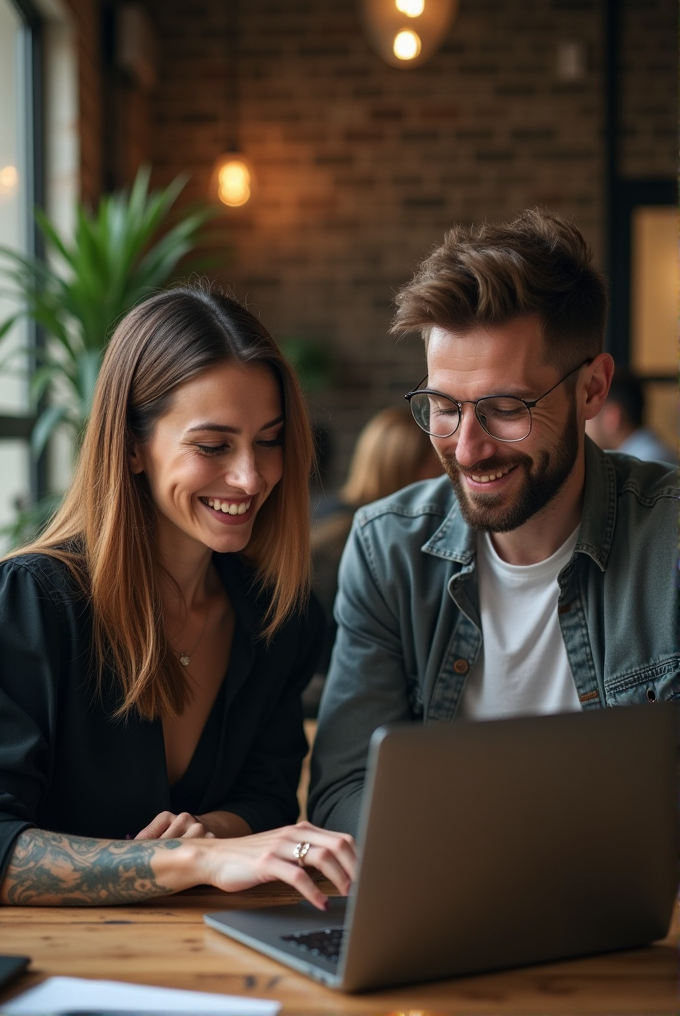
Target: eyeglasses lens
[[436, 415], [504, 418]]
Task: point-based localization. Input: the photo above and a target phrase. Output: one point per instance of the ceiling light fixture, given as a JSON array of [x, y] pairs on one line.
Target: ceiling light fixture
[[407, 45], [411, 8], [406, 33], [232, 182], [233, 179]]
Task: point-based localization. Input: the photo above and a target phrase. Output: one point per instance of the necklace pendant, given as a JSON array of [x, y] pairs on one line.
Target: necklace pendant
[[184, 660]]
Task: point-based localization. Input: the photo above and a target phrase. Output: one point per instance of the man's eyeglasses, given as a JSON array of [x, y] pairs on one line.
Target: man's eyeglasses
[[503, 417]]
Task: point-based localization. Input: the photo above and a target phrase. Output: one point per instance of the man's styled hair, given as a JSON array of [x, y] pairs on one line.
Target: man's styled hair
[[487, 275]]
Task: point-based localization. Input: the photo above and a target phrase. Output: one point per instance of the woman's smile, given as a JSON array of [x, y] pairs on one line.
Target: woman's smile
[[229, 512], [228, 507], [214, 458]]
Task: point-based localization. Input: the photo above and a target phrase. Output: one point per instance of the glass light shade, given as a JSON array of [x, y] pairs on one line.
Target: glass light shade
[[386, 20], [233, 180], [407, 45], [411, 8]]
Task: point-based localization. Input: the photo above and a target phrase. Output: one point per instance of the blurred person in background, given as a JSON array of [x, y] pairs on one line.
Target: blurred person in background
[[619, 424], [391, 452]]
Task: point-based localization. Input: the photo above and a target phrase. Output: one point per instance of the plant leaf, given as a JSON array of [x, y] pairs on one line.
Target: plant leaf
[[129, 247], [30, 521], [45, 426]]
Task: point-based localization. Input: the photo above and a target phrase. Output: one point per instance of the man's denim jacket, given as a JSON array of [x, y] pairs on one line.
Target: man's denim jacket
[[408, 614]]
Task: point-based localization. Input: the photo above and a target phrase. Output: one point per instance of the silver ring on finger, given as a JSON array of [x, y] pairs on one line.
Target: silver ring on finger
[[301, 851]]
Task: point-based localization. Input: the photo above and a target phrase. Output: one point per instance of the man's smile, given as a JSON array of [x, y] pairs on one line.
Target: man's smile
[[488, 477]]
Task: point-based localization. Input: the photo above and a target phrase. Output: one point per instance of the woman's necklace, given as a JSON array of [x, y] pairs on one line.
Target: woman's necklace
[[185, 658]]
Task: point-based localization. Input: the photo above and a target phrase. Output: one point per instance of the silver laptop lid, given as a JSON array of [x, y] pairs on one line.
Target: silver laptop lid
[[502, 843]]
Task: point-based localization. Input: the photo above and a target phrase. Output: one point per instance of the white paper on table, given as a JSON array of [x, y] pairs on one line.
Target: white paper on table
[[74, 994]]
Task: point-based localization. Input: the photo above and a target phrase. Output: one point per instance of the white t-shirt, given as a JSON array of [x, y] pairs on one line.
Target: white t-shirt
[[522, 666]]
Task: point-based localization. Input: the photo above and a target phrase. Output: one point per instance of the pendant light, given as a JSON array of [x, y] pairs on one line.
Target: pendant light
[[232, 182], [406, 33]]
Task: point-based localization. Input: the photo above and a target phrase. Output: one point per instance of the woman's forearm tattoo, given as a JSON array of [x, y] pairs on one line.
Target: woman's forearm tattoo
[[55, 869]]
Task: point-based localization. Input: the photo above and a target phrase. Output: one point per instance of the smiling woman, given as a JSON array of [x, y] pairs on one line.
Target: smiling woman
[[156, 639]]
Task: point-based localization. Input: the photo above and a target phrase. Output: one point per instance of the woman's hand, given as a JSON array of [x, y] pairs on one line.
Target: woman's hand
[[167, 826], [237, 864], [53, 869]]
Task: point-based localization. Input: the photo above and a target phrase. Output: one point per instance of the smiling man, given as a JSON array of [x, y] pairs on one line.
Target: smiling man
[[538, 575]]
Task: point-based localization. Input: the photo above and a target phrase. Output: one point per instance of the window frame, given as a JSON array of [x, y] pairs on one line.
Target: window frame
[[13, 427]]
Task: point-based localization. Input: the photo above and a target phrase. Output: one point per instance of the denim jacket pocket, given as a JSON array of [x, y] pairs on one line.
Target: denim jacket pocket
[[659, 682]]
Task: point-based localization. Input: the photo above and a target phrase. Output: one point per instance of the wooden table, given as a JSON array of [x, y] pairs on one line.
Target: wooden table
[[165, 942]]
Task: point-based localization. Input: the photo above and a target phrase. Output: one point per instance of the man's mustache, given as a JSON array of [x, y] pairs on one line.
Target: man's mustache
[[492, 465]]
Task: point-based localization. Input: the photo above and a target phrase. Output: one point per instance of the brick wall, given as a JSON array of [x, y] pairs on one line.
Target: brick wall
[[361, 167], [86, 17], [649, 62]]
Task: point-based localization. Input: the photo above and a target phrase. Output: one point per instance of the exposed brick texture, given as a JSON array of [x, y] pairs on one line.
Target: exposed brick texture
[[649, 58], [86, 16], [361, 166]]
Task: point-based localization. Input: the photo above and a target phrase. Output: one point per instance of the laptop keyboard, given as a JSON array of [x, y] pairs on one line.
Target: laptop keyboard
[[324, 943]]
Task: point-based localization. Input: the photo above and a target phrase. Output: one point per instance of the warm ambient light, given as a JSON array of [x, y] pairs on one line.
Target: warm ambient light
[[233, 183], [411, 8], [407, 45], [9, 178], [389, 28]]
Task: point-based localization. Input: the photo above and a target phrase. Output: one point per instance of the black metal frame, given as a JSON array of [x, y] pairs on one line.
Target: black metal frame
[[622, 196], [626, 197]]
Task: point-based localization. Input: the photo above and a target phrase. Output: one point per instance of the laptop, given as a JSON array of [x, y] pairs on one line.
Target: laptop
[[495, 844]]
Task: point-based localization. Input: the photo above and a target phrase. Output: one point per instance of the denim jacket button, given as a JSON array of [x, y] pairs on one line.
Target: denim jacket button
[[461, 666], [651, 695]]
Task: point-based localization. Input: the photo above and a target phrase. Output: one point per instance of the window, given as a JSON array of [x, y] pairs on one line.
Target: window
[[654, 312], [19, 176]]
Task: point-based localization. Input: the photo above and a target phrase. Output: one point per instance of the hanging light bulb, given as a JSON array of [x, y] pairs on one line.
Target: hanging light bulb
[[411, 8], [390, 27], [407, 45], [232, 182]]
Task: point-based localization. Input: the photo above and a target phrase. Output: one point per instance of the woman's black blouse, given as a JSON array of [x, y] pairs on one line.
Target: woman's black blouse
[[67, 766]]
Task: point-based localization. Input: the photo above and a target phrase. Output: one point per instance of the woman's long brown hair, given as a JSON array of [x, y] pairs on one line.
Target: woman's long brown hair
[[104, 530]]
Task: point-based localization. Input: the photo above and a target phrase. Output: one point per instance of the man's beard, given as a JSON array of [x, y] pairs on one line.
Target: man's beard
[[543, 480]]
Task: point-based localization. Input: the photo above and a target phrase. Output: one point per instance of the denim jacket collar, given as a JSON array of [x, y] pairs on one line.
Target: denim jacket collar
[[598, 518], [454, 540]]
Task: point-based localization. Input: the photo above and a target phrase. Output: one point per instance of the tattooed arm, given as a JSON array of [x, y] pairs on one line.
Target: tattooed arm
[[53, 869]]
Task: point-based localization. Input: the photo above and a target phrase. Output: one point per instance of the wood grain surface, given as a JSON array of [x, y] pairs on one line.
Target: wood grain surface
[[164, 942]]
